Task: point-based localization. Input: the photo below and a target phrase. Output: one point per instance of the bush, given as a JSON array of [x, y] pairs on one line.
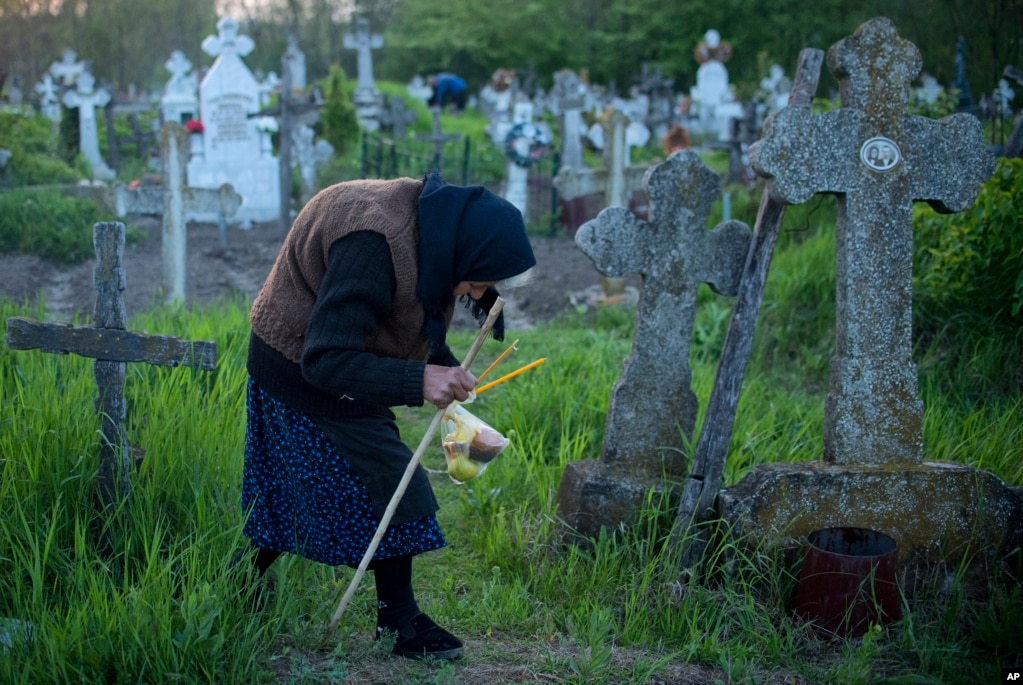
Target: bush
[[970, 265], [337, 119], [49, 225], [34, 157]]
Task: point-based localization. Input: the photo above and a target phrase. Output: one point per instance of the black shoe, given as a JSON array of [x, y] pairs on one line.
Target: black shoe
[[424, 639]]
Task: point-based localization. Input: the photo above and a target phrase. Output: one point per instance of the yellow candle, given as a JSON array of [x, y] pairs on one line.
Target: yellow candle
[[511, 375]]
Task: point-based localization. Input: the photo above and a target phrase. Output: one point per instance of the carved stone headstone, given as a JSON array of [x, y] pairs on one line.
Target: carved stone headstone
[[878, 159], [173, 200], [616, 180], [112, 347], [68, 69], [234, 140], [365, 98], [49, 101], [652, 403], [86, 98], [180, 101]]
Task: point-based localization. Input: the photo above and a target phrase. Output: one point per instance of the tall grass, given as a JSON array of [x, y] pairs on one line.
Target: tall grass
[[158, 601]]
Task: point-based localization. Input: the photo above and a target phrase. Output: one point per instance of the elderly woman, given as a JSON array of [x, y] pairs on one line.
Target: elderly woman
[[351, 321]]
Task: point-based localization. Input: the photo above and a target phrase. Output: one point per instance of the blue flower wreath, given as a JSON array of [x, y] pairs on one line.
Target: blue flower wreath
[[536, 137]]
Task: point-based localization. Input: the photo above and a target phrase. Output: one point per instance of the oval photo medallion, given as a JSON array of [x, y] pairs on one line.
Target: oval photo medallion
[[880, 154]]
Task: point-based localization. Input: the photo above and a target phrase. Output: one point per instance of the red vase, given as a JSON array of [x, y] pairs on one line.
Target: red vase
[[847, 581]]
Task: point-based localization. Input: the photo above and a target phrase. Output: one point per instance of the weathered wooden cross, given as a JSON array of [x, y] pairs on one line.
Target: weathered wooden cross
[[112, 347], [878, 160]]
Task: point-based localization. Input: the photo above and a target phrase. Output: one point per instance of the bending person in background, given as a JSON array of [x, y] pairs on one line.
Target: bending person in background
[[447, 88], [352, 321]]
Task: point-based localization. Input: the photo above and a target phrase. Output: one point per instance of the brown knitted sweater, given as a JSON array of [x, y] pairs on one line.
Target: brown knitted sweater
[[281, 311]]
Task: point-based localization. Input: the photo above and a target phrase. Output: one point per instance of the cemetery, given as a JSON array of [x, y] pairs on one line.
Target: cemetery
[[777, 436]]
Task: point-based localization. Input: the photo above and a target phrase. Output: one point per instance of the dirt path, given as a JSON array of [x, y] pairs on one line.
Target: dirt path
[[238, 262]]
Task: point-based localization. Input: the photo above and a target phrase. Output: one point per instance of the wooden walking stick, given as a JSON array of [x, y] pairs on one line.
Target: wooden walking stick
[[712, 446], [409, 471]]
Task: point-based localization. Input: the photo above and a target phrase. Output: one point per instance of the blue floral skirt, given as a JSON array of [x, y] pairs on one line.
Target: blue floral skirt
[[302, 496]]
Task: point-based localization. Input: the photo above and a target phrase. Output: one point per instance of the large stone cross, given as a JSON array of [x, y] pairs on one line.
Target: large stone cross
[[652, 400], [174, 200], [364, 42], [112, 347], [616, 180], [68, 69], [878, 160], [227, 41], [86, 98]]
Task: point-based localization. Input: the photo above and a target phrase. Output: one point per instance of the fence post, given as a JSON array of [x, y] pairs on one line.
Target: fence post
[[365, 156], [465, 162], [555, 168]]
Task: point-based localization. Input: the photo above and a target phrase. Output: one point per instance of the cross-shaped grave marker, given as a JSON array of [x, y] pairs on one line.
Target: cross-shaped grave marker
[[364, 42], [397, 116], [68, 69], [878, 159], [86, 98], [112, 347], [438, 138], [616, 180], [652, 403], [48, 100], [174, 200]]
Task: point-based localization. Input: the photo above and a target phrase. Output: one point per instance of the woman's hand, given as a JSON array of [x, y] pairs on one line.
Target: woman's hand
[[444, 384]]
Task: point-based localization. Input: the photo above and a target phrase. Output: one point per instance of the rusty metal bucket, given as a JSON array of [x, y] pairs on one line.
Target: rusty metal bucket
[[847, 581]]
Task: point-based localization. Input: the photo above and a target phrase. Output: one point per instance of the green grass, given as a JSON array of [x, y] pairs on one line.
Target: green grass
[[159, 604]]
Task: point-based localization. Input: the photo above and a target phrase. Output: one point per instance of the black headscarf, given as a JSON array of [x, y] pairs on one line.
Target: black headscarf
[[466, 233]]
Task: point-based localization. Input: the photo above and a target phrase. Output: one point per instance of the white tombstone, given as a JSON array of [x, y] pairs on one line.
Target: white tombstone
[[931, 89], [86, 98], [49, 103], [68, 69], [418, 89], [516, 188], [307, 155], [180, 100], [235, 145], [267, 87], [711, 87], [365, 98], [295, 59], [1002, 98]]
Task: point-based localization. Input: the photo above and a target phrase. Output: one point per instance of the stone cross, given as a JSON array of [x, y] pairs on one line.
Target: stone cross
[[112, 347], [227, 41], [309, 153], [438, 138], [86, 99], [364, 43], [180, 100], [674, 253], [174, 201], [179, 66], [569, 98], [878, 159], [652, 404], [48, 99], [397, 116], [68, 69], [616, 180]]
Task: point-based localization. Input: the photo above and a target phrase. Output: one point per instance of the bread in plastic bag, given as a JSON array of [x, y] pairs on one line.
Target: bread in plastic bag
[[469, 443]]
